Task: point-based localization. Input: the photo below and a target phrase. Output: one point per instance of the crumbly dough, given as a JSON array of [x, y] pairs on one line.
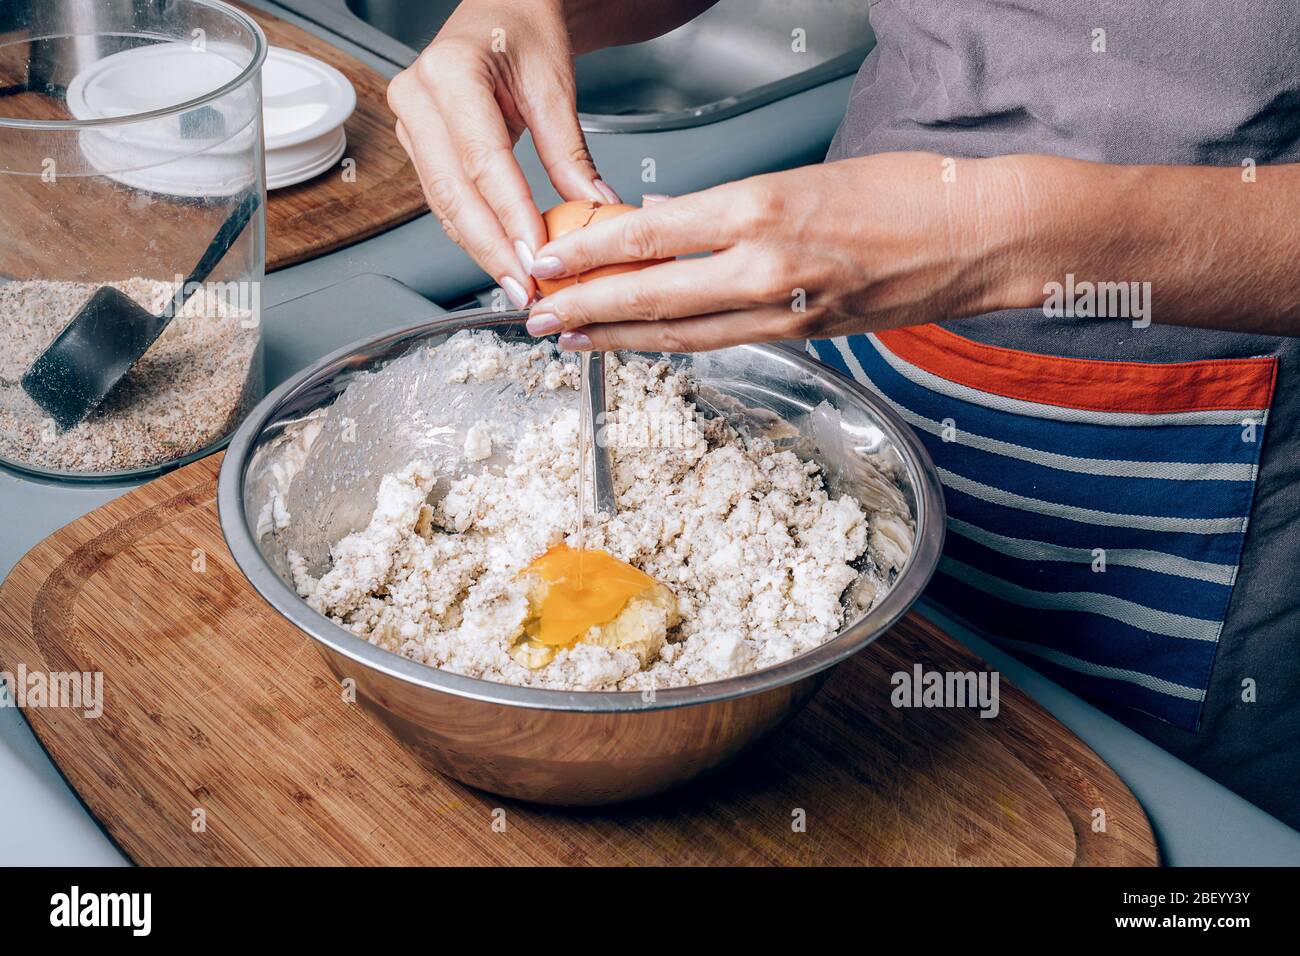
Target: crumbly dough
[[743, 535], [478, 442]]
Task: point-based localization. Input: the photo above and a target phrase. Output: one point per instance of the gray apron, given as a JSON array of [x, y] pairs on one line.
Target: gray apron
[[1174, 453]]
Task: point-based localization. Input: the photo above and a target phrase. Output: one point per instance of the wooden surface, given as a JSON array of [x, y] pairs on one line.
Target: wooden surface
[[90, 228], [327, 213], [214, 704]]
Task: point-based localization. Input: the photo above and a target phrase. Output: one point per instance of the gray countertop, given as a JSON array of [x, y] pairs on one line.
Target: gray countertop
[[1197, 822]]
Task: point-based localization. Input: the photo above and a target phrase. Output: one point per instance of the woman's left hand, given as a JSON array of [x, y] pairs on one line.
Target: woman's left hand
[[850, 246]]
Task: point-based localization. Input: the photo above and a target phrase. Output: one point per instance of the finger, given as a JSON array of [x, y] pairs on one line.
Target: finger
[[552, 117], [467, 105], [700, 222], [697, 334], [684, 287], [466, 217]]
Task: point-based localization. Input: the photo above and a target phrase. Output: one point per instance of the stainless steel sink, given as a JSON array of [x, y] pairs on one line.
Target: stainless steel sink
[[738, 55], [413, 22]]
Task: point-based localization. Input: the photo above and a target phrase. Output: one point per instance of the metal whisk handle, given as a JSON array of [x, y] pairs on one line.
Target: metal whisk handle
[[602, 471]]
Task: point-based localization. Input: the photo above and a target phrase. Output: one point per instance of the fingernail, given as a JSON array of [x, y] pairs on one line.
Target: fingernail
[[575, 342], [603, 188], [649, 199], [525, 255], [543, 323], [547, 267], [515, 291]]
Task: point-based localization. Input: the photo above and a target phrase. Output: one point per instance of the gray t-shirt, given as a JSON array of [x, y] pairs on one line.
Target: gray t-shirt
[[1124, 81]]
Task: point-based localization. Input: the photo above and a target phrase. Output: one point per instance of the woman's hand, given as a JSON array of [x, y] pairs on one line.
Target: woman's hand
[[496, 68], [851, 246]]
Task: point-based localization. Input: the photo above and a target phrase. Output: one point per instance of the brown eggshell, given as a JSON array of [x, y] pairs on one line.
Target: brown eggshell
[[575, 214]]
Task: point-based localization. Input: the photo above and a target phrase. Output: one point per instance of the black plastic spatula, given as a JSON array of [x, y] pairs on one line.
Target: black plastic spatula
[[111, 332]]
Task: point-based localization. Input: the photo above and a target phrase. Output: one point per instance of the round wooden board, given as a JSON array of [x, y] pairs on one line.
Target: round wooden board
[[374, 187], [216, 710]]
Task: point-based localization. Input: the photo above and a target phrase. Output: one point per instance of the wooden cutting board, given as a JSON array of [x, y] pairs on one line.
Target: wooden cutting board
[[331, 211], [82, 228], [216, 709]]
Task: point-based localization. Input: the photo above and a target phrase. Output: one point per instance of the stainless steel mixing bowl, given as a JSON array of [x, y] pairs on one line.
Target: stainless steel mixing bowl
[[546, 745]]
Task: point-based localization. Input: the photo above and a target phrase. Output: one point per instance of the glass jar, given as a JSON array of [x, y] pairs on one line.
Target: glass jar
[[129, 131]]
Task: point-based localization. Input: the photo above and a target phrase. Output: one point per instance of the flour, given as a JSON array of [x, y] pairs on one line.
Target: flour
[[293, 447], [755, 552], [478, 442]]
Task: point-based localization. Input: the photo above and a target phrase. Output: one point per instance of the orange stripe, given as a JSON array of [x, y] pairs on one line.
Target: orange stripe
[[1098, 386]]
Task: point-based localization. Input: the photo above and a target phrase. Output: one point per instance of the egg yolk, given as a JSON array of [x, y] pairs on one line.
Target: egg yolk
[[585, 588]]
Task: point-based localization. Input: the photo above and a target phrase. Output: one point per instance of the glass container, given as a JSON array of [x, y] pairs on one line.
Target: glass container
[[129, 132]]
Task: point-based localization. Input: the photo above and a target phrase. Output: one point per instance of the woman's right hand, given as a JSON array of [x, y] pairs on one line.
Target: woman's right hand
[[496, 68]]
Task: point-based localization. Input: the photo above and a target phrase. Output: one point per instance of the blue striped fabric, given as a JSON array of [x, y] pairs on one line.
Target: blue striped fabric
[[1035, 493]]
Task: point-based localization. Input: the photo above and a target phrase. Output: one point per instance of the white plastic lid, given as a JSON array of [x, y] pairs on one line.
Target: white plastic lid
[[304, 105], [291, 165], [148, 78], [302, 98]]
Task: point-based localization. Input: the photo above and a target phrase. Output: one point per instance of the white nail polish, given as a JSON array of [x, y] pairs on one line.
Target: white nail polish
[[525, 255], [604, 189], [518, 298]]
